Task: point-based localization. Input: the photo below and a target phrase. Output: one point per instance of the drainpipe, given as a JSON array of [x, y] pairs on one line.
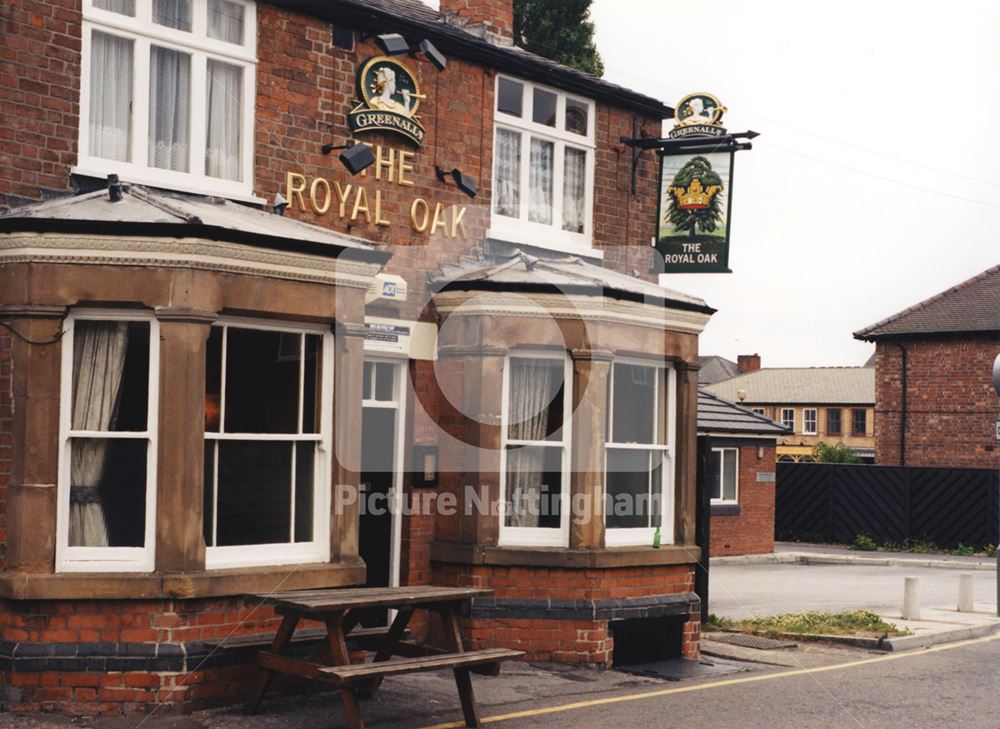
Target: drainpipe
[[902, 406]]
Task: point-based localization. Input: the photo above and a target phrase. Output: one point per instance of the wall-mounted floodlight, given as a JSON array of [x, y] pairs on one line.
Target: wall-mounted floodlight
[[462, 181], [432, 54], [392, 44], [280, 204], [355, 157]]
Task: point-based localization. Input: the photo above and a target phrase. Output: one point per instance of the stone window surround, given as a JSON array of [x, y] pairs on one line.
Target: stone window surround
[[199, 297]]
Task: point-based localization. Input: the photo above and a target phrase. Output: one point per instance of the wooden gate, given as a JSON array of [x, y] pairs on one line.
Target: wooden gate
[[834, 503]]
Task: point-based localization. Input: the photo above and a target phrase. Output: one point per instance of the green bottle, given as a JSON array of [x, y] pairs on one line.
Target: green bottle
[[656, 538]]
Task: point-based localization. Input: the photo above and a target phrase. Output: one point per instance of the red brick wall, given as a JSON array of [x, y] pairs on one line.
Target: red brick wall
[[305, 90], [951, 404], [752, 530], [575, 641], [6, 424], [40, 88], [127, 625]]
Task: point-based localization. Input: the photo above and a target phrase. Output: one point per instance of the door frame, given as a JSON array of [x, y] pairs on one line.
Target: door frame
[[399, 391]]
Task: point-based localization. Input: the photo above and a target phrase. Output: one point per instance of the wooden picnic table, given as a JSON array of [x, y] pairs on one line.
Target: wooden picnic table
[[341, 610]]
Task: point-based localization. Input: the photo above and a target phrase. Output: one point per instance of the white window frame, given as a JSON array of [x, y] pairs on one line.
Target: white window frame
[[318, 550], [758, 411], [537, 536], [521, 229], [633, 536], [788, 420], [144, 32], [106, 559], [721, 460], [806, 430]]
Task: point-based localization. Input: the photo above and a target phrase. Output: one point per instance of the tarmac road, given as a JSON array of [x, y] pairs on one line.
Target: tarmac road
[[743, 590]]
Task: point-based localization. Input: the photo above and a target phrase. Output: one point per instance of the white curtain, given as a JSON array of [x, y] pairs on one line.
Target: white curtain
[[540, 181], [110, 96], [125, 7], [222, 152], [508, 186], [98, 364], [574, 189], [531, 390], [225, 21], [172, 13], [169, 108]]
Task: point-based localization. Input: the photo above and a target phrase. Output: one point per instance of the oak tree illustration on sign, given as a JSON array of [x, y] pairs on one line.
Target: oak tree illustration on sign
[[695, 199]]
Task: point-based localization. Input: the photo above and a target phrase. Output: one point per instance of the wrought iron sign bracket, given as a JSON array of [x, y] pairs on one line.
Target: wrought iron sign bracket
[[693, 145]]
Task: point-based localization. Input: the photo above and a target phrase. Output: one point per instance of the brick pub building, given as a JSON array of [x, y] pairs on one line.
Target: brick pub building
[[200, 398], [934, 399]]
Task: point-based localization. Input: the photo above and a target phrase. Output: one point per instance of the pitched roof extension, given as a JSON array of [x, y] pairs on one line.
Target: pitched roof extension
[[716, 369], [716, 415]]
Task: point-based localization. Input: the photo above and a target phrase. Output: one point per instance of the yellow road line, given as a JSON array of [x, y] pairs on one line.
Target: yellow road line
[[717, 684]]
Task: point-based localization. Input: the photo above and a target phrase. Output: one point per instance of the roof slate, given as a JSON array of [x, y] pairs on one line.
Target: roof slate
[[716, 415], [971, 306], [454, 37], [716, 369], [802, 386]]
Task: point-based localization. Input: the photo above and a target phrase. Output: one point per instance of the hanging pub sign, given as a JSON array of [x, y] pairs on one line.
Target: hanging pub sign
[[693, 219], [696, 179], [388, 99]]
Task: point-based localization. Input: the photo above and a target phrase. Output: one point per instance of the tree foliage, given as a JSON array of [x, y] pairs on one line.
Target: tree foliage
[[839, 453], [560, 30], [704, 220]]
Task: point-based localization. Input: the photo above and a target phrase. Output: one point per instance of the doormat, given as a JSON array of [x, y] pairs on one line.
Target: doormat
[[678, 669]]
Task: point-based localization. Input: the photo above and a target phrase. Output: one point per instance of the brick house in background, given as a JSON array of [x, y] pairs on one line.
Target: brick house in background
[[149, 482], [817, 404], [739, 474], [934, 398]]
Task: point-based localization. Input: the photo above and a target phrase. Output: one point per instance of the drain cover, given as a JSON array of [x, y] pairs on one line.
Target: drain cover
[[751, 641]]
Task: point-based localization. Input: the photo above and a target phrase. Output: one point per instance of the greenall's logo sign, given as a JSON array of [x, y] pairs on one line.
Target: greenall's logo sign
[[698, 115], [388, 99]]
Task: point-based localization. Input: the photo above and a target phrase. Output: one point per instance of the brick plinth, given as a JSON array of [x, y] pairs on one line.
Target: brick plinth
[[126, 657], [568, 615]]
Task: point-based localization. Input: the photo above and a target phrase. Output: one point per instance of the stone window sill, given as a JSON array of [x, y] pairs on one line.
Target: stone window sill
[[178, 585], [609, 558]]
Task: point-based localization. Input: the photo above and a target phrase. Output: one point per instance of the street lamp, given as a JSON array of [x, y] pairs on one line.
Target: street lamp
[[996, 386]]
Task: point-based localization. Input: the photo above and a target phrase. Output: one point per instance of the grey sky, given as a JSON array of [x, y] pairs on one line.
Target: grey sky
[[837, 219]]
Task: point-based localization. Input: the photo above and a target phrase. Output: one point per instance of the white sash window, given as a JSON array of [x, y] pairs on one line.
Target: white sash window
[[167, 93]]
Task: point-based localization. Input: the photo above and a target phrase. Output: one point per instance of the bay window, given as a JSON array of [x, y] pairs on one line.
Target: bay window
[[640, 445], [534, 473], [107, 463], [543, 166], [267, 441], [166, 93]]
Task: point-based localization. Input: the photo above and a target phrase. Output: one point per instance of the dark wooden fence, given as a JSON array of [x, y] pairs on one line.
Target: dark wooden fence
[[834, 503]]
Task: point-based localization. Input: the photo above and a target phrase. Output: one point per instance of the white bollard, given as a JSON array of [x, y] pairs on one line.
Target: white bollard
[[965, 602], [911, 598]]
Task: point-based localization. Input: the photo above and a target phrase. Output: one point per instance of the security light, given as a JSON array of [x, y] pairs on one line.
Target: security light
[[432, 54], [280, 204], [392, 44], [355, 157], [462, 181]]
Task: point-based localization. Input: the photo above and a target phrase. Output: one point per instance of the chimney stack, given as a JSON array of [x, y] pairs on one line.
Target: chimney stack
[[495, 16], [748, 363]]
